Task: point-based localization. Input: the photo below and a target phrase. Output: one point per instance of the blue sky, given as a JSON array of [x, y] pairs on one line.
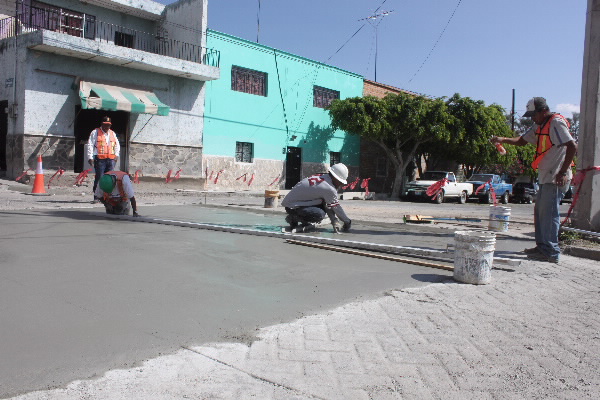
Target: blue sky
[[489, 47]]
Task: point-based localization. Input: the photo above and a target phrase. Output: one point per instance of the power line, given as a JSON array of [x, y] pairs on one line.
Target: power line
[[436, 42]]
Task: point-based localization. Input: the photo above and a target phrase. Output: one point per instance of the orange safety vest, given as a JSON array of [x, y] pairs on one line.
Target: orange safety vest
[[106, 149], [116, 200], [544, 143]]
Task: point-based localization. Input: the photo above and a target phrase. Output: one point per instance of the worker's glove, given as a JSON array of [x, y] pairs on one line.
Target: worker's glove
[[346, 226], [135, 214], [337, 227]]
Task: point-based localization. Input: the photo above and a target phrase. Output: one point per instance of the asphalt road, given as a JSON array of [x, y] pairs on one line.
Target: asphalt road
[[81, 294]]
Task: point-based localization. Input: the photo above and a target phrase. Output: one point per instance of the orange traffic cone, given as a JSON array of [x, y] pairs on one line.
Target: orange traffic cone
[[38, 183]]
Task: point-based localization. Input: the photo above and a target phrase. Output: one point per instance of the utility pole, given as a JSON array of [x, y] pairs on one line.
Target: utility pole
[[512, 112], [258, 22], [375, 20], [587, 208]]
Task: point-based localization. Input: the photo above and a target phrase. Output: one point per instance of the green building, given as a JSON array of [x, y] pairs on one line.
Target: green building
[[265, 123]]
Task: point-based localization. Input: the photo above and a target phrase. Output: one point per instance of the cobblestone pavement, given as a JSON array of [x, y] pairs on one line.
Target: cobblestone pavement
[[534, 332]]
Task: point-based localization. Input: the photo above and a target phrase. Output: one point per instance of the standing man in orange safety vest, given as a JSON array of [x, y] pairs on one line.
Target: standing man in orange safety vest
[[555, 150], [103, 150]]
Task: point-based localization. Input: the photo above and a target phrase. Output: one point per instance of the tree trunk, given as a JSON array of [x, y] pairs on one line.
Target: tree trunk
[[398, 182]]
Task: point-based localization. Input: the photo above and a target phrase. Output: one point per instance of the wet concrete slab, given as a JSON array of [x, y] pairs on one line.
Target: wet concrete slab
[[81, 294]]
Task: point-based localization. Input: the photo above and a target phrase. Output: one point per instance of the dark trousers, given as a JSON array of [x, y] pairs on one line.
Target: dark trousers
[[307, 215], [102, 166], [121, 208]]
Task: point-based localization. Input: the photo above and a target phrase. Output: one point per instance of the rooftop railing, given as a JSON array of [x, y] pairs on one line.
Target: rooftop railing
[[31, 19]]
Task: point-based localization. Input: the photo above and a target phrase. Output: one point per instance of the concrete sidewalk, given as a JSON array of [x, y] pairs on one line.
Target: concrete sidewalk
[[532, 333]]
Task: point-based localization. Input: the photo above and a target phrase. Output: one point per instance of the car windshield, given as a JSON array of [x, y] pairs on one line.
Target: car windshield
[[433, 176], [481, 177]]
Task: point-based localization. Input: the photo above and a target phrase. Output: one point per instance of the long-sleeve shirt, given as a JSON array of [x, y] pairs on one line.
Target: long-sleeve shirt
[[314, 191], [91, 145]]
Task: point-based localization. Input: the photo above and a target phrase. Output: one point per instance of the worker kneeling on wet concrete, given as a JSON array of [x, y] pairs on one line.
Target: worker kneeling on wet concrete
[[316, 196], [115, 191]]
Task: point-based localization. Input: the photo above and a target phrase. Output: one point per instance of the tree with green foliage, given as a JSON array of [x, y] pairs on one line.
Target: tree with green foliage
[[399, 124], [473, 124]]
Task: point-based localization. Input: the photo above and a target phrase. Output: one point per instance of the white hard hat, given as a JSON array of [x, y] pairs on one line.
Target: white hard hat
[[339, 172]]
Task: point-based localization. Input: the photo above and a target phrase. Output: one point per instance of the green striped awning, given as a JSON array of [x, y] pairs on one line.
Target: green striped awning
[[112, 98]]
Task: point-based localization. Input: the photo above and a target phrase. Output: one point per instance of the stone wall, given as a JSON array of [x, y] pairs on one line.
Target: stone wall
[[224, 173], [155, 160]]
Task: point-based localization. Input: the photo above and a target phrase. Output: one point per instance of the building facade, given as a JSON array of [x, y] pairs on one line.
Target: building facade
[[266, 125], [65, 63]]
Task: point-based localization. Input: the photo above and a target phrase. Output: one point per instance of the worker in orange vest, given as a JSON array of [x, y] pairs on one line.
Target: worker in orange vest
[[103, 150], [555, 150], [115, 191]]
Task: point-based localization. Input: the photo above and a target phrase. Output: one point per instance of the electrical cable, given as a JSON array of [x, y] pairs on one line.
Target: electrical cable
[[436, 42]]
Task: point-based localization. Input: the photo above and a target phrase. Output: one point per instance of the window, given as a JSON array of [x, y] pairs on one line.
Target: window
[[335, 157], [323, 97], [248, 81], [124, 39], [244, 152], [382, 167]]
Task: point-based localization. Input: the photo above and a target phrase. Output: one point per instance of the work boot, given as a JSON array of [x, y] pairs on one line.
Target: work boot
[[533, 250], [305, 228], [542, 257]]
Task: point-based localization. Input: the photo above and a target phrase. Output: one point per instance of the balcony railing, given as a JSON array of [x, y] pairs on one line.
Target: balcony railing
[[31, 19]]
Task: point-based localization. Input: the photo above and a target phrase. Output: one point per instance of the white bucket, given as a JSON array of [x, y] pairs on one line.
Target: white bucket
[[499, 217], [474, 256]]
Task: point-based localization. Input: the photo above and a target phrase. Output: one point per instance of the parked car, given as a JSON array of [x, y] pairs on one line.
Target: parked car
[[568, 198], [417, 189], [524, 192], [502, 189]]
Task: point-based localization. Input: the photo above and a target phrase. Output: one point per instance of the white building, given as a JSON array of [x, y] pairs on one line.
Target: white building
[[66, 63]]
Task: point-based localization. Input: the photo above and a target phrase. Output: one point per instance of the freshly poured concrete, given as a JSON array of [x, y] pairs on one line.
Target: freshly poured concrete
[[81, 294]]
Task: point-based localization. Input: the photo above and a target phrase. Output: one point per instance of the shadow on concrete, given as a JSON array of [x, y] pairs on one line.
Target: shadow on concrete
[[430, 278]]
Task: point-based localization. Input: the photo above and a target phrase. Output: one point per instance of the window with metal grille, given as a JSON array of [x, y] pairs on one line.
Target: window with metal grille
[[382, 167], [322, 97], [335, 157], [244, 152], [248, 81], [124, 39]]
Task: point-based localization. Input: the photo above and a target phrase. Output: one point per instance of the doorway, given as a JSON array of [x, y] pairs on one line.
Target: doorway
[[88, 120], [293, 166], [3, 134]]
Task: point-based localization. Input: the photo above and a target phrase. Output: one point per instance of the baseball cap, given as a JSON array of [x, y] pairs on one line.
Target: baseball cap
[[106, 120], [535, 104]]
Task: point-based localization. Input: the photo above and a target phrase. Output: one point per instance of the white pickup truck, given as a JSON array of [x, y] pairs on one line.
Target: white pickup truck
[[416, 189]]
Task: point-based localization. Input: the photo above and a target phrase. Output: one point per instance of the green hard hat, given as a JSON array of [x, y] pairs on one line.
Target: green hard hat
[[107, 183]]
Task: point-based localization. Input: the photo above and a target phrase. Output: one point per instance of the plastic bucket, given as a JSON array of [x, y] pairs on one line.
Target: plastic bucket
[[474, 256], [499, 217], [271, 197]]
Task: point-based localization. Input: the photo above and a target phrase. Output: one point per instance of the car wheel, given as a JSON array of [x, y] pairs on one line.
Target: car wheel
[[504, 198], [439, 199], [490, 198], [462, 199]]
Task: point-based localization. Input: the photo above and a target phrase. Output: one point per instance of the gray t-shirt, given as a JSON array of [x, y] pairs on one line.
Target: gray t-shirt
[[314, 191], [555, 156]]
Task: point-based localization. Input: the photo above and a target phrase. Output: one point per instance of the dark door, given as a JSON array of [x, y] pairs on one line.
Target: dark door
[[88, 120], [293, 166], [3, 134]]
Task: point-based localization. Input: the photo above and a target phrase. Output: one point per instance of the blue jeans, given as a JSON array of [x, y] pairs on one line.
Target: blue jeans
[[546, 217], [306, 215], [102, 166]]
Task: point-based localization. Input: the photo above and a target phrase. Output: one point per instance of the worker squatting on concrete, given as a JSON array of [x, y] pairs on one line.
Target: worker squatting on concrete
[[312, 198], [115, 191]]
